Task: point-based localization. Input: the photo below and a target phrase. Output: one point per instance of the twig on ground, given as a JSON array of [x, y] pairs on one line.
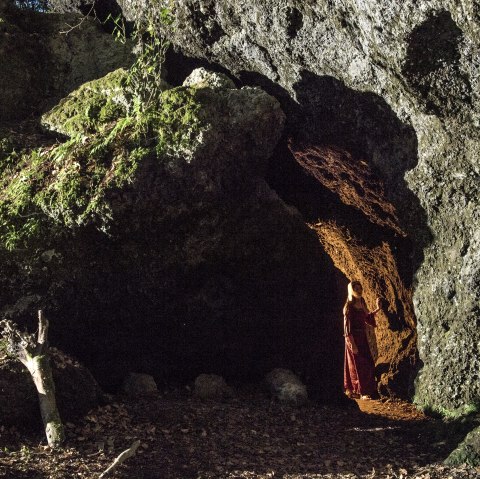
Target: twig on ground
[[120, 459]]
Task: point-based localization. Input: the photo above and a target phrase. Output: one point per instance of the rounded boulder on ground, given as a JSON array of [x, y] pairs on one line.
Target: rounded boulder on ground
[[138, 384], [212, 386], [286, 387], [468, 451]]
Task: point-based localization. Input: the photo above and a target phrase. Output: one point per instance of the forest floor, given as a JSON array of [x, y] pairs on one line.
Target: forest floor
[[248, 437]]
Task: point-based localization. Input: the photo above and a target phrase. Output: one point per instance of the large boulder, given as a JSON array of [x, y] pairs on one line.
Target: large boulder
[[155, 244]]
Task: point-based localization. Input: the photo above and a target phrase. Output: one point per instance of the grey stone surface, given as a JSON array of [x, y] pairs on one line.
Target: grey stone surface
[[202, 78], [137, 384], [468, 451], [212, 386], [285, 386], [422, 59]]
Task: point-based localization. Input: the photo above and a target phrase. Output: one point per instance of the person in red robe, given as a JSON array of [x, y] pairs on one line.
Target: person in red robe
[[359, 369]]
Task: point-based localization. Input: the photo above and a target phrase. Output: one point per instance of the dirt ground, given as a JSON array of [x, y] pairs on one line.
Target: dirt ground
[[249, 436]]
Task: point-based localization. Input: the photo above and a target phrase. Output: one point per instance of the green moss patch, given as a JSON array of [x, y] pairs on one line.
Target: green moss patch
[[7, 145], [438, 411], [90, 108], [468, 451], [66, 185]]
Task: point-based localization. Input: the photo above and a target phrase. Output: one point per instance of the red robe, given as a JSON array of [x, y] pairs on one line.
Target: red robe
[[359, 369]]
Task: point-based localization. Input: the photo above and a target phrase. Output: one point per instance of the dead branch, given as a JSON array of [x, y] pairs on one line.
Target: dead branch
[[77, 25], [131, 451], [42, 333]]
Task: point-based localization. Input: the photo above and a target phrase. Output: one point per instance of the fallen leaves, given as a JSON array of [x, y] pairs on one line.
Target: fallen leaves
[[248, 437]]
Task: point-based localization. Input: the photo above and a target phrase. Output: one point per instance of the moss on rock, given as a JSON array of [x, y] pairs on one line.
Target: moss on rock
[[66, 185], [90, 108], [7, 145], [430, 408], [468, 451], [189, 219]]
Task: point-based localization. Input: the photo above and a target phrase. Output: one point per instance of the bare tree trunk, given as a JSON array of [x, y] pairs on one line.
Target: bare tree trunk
[[35, 357], [39, 368]]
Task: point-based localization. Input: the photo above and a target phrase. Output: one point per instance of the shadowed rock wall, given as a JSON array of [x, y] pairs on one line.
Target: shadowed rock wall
[[44, 57]]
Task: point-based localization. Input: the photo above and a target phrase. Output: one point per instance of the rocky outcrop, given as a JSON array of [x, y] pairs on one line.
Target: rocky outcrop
[[386, 89], [44, 57], [379, 155]]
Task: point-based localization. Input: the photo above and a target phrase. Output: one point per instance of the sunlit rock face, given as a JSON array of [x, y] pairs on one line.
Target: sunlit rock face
[[395, 86], [44, 57]]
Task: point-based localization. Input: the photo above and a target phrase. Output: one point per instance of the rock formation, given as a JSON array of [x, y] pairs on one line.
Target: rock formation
[[382, 109], [177, 235], [156, 244]]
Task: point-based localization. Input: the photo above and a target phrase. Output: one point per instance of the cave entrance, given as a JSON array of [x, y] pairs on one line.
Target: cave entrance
[[268, 290], [342, 164]]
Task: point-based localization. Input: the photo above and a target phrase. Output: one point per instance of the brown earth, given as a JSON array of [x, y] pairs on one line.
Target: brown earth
[[246, 437]]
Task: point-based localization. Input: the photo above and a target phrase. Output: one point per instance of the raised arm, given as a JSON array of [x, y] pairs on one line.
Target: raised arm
[[370, 319]]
